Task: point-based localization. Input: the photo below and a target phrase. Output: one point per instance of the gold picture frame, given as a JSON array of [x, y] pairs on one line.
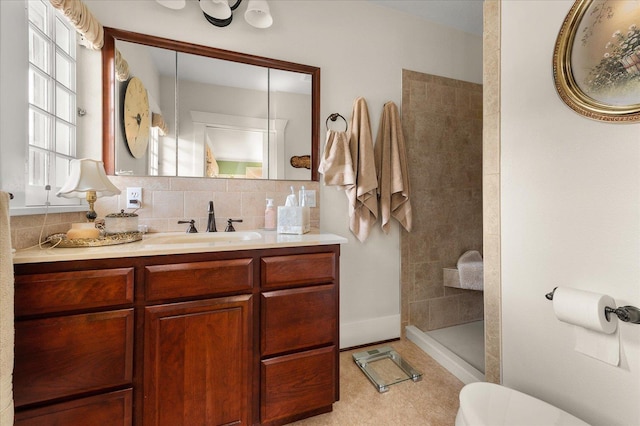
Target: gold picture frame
[[596, 60]]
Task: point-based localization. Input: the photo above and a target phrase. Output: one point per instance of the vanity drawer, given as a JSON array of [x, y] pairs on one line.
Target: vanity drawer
[[113, 409], [64, 356], [198, 278], [298, 318], [64, 291], [298, 270], [298, 383]]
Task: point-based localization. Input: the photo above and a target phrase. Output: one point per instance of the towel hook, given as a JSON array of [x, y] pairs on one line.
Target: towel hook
[[334, 117]]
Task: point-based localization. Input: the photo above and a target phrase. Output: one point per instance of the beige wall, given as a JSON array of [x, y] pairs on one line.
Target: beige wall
[[442, 122], [569, 216]]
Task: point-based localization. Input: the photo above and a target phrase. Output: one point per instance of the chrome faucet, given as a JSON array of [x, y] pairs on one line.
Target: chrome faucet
[[192, 227], [211, 223], [230, 227]]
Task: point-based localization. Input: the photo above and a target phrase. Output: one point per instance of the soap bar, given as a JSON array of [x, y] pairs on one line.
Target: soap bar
[[83, 230], [294, 220]]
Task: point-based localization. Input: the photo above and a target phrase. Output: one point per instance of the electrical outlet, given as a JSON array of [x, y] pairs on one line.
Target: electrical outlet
[[134, 198], [310, 197]]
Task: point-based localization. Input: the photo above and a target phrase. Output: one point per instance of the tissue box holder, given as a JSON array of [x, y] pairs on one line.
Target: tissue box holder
[[293, 220]]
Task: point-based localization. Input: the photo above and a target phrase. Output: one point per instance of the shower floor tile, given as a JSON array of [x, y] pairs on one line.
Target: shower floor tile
[[465, 340]]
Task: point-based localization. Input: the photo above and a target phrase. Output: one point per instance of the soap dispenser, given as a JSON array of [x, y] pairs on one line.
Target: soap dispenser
[[270, 216]]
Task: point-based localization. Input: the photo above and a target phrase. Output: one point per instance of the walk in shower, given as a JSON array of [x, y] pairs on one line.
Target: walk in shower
[[443, 131]]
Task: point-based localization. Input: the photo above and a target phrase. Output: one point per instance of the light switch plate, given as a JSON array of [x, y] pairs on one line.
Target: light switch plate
[[134, 197], [310, 197]]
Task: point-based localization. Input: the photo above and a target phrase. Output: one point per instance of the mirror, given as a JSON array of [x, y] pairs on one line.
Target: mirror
[[213, 113]]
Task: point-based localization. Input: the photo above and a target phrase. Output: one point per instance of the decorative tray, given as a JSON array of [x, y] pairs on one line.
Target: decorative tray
[[61, 240]]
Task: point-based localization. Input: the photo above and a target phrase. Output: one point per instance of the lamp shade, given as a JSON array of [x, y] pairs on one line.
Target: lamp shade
[[258, 14], [87, 175], [216, 9]]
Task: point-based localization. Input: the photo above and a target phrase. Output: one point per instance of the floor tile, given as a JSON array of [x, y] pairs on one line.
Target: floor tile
[[433, 401]]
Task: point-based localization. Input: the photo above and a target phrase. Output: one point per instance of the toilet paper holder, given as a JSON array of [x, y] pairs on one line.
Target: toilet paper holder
[[624, 313]]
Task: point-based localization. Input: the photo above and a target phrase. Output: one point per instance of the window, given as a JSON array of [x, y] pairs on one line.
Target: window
[[52, 100]]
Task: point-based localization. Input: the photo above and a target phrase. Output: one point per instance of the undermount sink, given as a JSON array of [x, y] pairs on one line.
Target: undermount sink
[[203, 238]]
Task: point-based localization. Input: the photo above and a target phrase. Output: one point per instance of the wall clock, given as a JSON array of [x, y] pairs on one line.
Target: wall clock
[[136, 117]]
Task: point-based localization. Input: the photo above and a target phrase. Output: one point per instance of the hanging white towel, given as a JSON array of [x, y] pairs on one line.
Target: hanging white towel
[[6, 315], [391, 164], [471, 270], [363, 200], [336, 163]]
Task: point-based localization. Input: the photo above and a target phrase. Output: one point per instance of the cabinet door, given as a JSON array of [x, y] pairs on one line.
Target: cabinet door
[[298, 270], [299, 383], [113, 409], [197, 362], [197, 279], [65, 356], [37, 294], [298, 318]]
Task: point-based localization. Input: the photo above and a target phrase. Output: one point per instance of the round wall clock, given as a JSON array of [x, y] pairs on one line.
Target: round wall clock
[[136, 117]]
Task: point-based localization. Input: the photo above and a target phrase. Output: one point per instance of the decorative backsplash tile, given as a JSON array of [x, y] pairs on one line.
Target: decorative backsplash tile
[[166, 200]]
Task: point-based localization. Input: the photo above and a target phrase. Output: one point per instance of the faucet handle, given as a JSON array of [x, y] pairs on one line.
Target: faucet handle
[[192, 227], [230, 227]]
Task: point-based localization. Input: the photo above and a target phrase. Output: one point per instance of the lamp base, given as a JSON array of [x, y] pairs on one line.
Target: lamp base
[[91, 216], [91, 199]]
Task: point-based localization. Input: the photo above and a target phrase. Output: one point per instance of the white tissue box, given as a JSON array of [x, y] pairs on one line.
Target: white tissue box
[[293, 220]]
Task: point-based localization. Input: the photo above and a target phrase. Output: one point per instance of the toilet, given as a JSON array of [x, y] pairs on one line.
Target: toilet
[[488, 404]]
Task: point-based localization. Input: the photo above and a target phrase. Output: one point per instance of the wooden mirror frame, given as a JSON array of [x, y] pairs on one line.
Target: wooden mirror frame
[[565, 81], [109, 104]]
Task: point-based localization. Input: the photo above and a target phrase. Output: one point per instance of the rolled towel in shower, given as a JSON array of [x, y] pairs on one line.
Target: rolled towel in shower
[[471, 270]]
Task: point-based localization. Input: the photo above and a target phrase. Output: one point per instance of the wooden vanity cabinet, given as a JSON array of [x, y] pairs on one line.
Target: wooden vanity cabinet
[[299, 365], [74, 337], [245, 337], [197, 354]]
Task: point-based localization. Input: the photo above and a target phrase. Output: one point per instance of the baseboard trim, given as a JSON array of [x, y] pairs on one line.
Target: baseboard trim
[[371, 331], [456, 365]]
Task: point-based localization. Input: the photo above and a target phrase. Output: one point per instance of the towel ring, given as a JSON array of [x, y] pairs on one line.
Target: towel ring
[[334, 117]]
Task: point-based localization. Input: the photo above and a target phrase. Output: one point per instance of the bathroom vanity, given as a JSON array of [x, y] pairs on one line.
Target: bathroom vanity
[[225, 332]]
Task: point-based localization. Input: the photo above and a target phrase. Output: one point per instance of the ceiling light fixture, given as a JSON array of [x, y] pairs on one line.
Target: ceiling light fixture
[[258, 14], [220, 12], [217, 12]]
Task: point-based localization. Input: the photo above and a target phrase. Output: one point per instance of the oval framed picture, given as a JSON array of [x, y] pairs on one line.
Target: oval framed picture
[[596, 60]]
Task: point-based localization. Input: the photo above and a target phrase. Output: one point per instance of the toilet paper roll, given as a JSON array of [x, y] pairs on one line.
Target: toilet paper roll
[[584, 308]]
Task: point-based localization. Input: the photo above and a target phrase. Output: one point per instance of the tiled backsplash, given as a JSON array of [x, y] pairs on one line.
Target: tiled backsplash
[[26, 230], [166, 200]]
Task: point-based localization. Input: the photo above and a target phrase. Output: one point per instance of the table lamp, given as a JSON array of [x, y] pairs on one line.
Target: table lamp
[[87, 180]]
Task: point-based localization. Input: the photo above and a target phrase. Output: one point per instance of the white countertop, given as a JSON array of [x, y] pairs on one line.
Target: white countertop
[[151, 245]]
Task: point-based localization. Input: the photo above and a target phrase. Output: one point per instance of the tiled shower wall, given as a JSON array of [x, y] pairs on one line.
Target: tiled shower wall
[[442, 123], [166, 200], [491, 185]]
